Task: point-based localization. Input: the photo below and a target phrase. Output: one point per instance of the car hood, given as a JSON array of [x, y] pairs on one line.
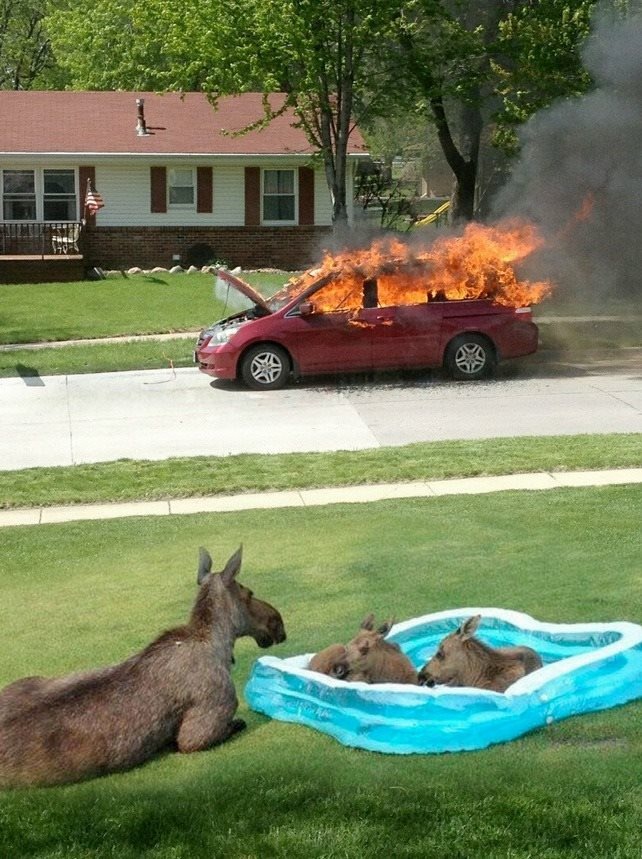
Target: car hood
[[241, 286]]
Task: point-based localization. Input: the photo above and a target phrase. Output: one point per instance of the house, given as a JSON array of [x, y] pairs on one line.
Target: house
[[180, 185]]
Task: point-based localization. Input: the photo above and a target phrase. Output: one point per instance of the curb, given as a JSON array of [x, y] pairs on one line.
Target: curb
[[316, 497]]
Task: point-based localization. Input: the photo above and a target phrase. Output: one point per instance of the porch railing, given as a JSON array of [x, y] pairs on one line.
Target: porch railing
[[40, 238]]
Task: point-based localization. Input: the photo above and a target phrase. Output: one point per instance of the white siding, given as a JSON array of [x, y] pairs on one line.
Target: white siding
[[125, 188], [322, 201]]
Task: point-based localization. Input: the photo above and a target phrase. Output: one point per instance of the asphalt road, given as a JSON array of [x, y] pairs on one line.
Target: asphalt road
[[155, 414]]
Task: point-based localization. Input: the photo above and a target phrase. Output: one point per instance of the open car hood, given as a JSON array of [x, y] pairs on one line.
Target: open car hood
[[241, 286]]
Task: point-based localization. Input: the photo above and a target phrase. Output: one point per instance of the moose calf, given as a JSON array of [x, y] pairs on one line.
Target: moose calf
[[372, 659], [177, 691], [463, 660]]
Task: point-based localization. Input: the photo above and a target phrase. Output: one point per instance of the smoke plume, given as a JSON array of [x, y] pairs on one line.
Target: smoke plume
[[579, 176]]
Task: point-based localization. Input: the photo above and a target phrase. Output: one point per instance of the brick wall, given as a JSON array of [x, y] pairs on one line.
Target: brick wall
[[289, 248]]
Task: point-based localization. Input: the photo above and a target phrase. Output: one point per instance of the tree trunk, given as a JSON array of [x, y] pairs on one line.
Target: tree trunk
[[464, 166]]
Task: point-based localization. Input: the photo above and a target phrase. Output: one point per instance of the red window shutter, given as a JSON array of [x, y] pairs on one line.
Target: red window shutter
[[158, 188], [85, 173], [203, 189], [306, 195], [252, 196]]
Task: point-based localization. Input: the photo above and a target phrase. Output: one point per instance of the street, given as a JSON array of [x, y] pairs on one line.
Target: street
[[155, 414]]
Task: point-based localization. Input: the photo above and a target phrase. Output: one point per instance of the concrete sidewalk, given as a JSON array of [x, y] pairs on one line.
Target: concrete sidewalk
[[315, 497]]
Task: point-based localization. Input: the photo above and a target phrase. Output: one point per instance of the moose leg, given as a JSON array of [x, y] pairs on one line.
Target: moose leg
[[205, 726]]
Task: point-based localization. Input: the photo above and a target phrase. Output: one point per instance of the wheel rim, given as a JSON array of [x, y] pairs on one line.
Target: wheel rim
[[266, 367], [470, 358]]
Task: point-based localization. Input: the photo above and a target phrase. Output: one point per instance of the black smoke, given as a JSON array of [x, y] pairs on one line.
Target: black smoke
[[579, 175]]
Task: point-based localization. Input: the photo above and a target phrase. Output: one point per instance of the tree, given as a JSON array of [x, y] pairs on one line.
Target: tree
[[444, 60], [537, 60], [25, 48], [107, 44]]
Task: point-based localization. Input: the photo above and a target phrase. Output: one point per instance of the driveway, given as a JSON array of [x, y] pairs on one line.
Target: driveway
[[155, 414]]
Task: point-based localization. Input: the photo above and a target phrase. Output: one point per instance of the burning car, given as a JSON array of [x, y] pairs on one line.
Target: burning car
[[385, 308]]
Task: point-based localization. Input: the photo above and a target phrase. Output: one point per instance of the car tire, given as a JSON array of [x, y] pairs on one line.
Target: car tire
[[469, 357], [265, 367]]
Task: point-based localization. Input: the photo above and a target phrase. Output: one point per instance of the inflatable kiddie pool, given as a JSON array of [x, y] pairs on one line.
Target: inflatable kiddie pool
[[587, 666]]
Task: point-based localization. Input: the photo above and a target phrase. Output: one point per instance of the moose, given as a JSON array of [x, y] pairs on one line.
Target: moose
[[368, 657], [175, 693], [463, 660], [374, 660]]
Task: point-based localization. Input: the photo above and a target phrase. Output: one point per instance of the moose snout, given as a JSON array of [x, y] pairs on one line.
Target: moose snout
[[425, 678], [273, 634]]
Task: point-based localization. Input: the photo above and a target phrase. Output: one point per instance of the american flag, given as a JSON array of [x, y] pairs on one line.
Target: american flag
[[93, 200]]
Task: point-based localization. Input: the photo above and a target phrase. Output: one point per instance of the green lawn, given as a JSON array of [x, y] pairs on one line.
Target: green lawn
[[140, 304], [84, 594], [129, 480], [98, 358]]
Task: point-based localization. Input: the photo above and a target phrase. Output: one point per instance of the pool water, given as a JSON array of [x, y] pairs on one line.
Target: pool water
[[587, 667]]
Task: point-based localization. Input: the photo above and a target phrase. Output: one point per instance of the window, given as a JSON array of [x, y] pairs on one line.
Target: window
[[278, 196], [181, 187], [59, 199], [18, 195], [39, 195]]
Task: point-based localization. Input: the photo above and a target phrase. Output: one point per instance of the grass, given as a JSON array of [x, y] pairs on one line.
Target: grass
[[83, 594], [97, 358], [137, 304], [129, 480]]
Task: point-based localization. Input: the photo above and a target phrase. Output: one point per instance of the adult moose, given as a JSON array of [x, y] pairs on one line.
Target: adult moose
[[463, 660], [177, 692]]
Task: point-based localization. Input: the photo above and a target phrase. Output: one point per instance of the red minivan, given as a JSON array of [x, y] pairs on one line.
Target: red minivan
[[314, 332]]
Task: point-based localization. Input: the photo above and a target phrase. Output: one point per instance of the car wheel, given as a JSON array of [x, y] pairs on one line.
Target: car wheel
[[265, 367], [470, 356]]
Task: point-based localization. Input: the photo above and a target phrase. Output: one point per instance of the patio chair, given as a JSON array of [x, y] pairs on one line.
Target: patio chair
[[64, 239]]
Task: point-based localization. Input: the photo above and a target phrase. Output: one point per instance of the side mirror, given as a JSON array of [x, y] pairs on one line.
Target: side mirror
[[306, 308]]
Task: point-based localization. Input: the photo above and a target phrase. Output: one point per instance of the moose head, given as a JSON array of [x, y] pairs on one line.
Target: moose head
[[249, 616]]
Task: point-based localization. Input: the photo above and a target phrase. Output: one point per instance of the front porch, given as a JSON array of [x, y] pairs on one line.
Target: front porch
[[39, 252]]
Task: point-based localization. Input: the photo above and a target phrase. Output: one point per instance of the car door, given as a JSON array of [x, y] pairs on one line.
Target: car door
[[328, 341], [406, 335]]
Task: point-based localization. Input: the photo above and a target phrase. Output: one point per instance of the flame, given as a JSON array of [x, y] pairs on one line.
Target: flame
[[477, 264]]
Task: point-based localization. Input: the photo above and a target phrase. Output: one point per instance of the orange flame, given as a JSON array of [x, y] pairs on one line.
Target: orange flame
[[476, 264]]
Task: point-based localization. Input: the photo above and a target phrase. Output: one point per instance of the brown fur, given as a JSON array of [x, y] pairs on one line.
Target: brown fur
[[332, 660], [372, 659], [462, 660], [176, 692]]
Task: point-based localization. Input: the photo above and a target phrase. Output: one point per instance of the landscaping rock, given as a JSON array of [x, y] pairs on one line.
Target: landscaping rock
[[176, 269]]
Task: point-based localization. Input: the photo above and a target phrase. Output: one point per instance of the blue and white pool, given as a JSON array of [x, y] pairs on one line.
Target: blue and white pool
[[587, 667]]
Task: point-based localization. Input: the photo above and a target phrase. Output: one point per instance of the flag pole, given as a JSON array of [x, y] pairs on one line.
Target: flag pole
[[87, 191]]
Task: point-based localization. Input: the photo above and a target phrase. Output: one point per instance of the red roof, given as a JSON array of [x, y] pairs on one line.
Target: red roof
[[105, 122]]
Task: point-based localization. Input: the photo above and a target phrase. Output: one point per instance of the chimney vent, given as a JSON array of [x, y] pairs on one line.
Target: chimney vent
[[141, 125]]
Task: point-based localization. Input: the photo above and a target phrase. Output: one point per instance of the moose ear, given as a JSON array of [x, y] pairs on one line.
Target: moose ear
[[204, 565], [469, 627], [368, 622], [232, 567], [385, 628]]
